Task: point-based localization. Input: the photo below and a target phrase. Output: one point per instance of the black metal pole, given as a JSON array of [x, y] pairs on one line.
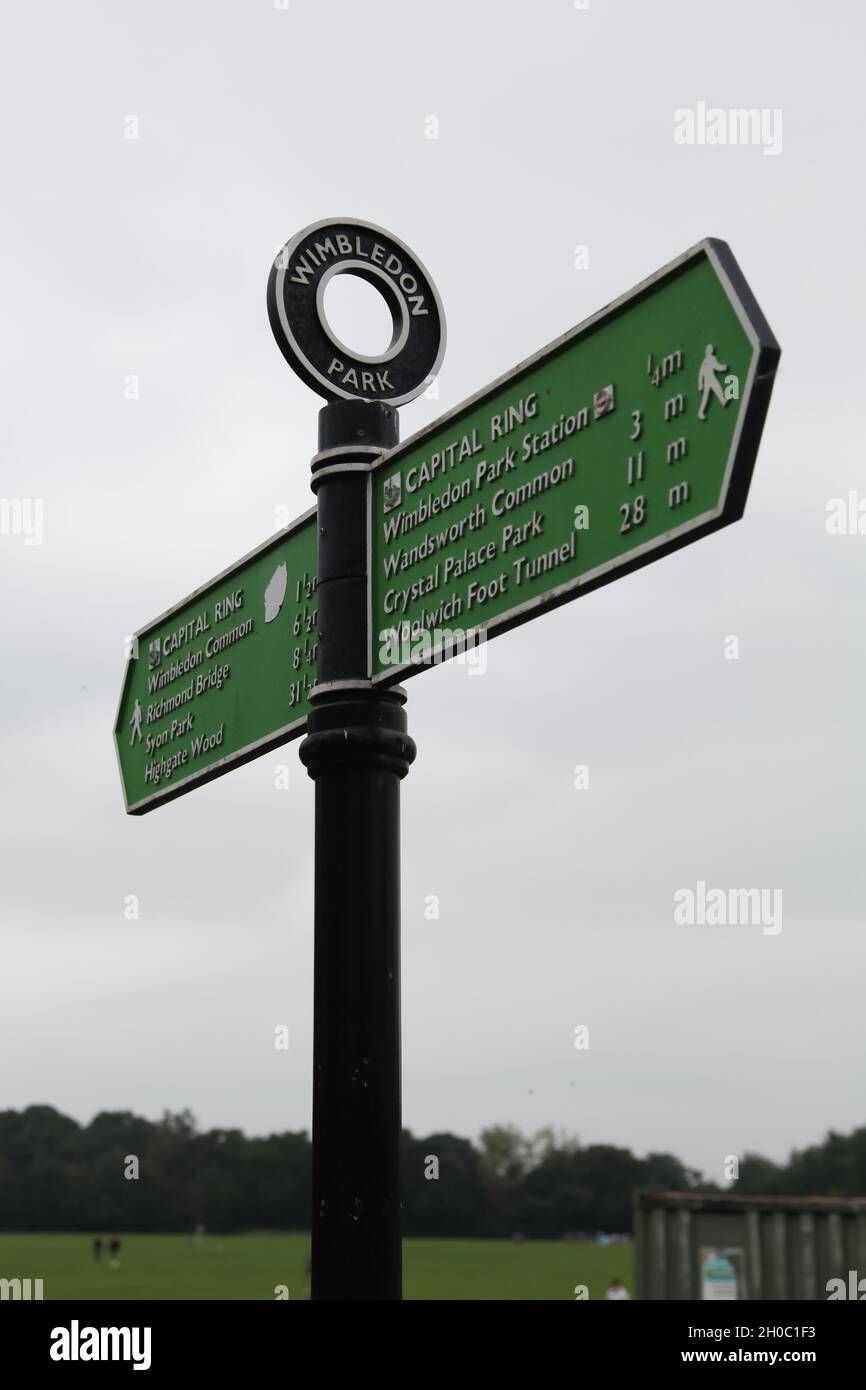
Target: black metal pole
[[357, 750]]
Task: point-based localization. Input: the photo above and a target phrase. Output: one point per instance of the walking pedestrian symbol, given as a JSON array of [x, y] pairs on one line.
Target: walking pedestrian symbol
[[135, 721], [707, 381]]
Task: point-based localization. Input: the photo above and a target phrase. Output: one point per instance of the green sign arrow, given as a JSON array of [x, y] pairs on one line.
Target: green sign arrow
[[223, 676], [632, 435]]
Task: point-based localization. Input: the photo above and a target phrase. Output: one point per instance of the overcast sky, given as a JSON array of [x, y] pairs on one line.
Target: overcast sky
[[149, 257]]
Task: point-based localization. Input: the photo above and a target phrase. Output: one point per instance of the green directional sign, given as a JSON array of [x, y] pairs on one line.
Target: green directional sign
[[632, 435], [222, 677]]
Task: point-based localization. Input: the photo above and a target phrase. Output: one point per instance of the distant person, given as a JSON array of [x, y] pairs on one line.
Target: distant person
[[617, 1290], [114, 1252], [97, 1248]]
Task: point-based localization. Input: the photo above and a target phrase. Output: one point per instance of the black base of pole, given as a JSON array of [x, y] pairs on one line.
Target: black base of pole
[[357, 750]]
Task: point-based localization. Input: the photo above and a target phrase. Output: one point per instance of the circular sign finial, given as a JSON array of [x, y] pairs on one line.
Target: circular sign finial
[[296, 308]]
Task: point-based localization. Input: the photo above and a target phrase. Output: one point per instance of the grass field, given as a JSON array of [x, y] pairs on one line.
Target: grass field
[[229, 1267]]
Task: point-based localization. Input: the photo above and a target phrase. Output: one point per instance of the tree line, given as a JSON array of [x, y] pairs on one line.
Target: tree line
[[121, 1172]]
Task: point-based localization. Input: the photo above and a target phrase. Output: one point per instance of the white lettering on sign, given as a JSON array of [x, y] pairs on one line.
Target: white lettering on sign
[[513, 415], [363, 248], [362, 381]]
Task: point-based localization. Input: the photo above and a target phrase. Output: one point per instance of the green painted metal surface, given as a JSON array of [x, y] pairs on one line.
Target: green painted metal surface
[[223, 676]]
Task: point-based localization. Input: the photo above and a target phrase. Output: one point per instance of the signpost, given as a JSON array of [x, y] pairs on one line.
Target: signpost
[[629, 437], [357, 751]]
